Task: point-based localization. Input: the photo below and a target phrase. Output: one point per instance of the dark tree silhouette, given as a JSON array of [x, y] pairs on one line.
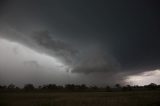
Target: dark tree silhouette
[[151, 86], [70, 87], [50, 86], [3, 87], [108, 88], [118, 86], [127, 88], [94, 88], [11, 86], [29, 87], [82, 87]]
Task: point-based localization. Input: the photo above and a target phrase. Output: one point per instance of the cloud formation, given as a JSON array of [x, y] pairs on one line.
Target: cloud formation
[[96, 61], [56, 47], [90, 40]]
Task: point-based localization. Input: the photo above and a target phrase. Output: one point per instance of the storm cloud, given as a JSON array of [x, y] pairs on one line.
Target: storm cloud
[[92, 41]]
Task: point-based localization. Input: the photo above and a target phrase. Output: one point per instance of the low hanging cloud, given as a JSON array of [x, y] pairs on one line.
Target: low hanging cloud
[[90, 60], [96, 62], [56, 47], [42, 42]]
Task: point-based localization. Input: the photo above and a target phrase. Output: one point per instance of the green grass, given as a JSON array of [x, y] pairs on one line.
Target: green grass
[[146, 98]]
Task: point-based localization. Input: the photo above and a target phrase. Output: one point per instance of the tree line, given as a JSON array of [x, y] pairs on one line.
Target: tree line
[[82, 88]]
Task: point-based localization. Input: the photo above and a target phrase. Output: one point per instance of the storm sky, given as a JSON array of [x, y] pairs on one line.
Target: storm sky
[[95, 42]]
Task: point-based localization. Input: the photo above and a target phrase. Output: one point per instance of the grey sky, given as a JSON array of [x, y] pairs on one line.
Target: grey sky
[[98, 41]]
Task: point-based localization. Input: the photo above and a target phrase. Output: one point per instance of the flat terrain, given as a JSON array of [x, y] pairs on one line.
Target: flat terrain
[[141, 98]]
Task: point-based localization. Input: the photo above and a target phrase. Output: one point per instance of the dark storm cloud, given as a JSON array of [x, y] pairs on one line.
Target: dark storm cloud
[[96, 61], [92, 60], [125, 32], [59, 47], [78, 53]]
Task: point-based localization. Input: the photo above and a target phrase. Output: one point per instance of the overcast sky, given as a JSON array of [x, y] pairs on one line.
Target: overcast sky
[[79, 41]]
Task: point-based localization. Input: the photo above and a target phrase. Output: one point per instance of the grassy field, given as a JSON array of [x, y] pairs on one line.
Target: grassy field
[[145, 98]]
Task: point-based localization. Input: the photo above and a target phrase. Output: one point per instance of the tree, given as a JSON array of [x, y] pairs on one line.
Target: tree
[[4, 87], [11, 87], [94, 88], [129, 87], [70, 87], [108, 88], [29, 87], [83, 87], [151, 86], [118, 86]]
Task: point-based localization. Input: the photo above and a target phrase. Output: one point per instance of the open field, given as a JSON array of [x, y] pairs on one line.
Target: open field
[[141, 98]]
